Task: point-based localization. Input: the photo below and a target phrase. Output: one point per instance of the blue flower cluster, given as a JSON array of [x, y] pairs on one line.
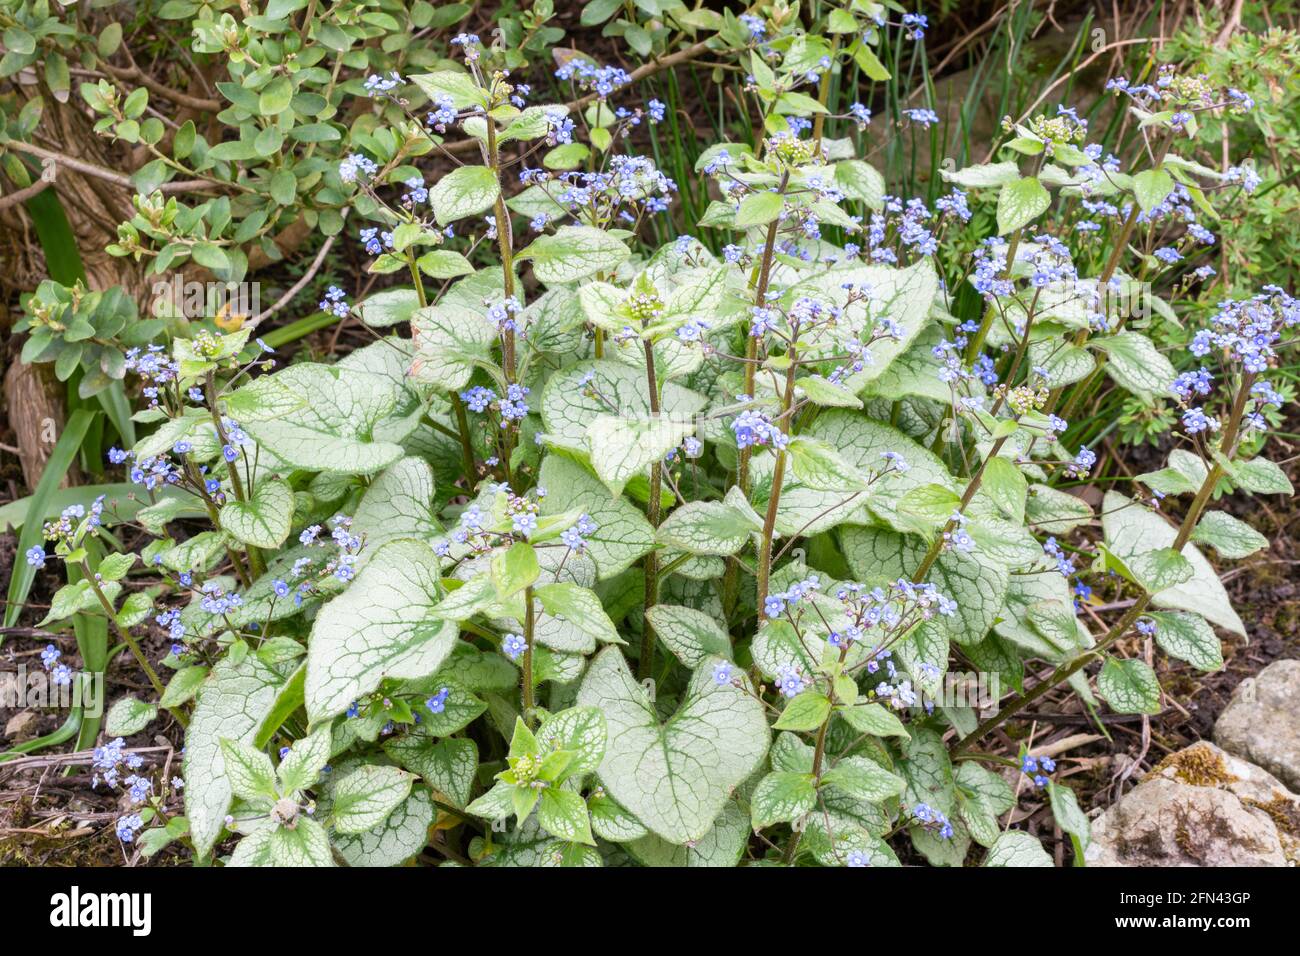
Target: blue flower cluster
[[1037, 768], [357, 166], [754, 428], [575, 537], [627, 191], [60, 674], [777, 604], [932, 819], [593, 78], [335, 302]]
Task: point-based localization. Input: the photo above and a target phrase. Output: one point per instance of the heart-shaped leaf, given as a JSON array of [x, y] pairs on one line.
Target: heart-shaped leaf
[[675, 777]]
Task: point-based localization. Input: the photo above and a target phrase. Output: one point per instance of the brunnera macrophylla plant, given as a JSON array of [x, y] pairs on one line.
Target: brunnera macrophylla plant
[[611, 551]]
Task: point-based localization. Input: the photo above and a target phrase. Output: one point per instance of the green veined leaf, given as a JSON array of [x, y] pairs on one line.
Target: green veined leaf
[[1020, 203], [1129, 686], [378, 628], [264, 519], [465, 191], [574, 252], [675, 776]]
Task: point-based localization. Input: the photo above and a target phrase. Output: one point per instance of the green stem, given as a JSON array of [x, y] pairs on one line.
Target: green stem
[[764, 569], [529, 626], [971, 488], [506, 249], [819, 755], [215, 517], [127, 639], [1103, 281], [751, 341], [650, 564], [257, 566]]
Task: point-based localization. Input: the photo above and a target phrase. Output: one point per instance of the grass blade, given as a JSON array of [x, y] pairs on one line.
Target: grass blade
[[65, 451]]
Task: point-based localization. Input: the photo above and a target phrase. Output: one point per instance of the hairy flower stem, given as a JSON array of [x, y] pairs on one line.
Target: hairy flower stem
[[530, 625], [257, 566], [215, 517], [1016, 361], [127, 639], [973, 485], [457, 406], [751, 343], [731, 578], [506, 249], [1068, 669], [764, 569], [650, 564]]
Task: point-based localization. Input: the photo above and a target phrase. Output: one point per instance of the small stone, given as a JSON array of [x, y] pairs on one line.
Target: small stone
[[1262, 721], [21, 726], [1200, 807]]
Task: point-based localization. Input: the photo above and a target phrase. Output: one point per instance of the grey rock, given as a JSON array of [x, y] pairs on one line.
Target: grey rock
[[1200, 807], [1262, 721]]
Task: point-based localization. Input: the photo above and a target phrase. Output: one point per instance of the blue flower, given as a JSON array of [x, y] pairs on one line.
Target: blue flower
[[513, 646], [757, 27], [1195, 420], [524, 523], [438, 702], [36, 556], [915, 25], [1082, 464], [922, 117], [443, 114], [138, 788], [774, 605], [356, 165], [789, 681]]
